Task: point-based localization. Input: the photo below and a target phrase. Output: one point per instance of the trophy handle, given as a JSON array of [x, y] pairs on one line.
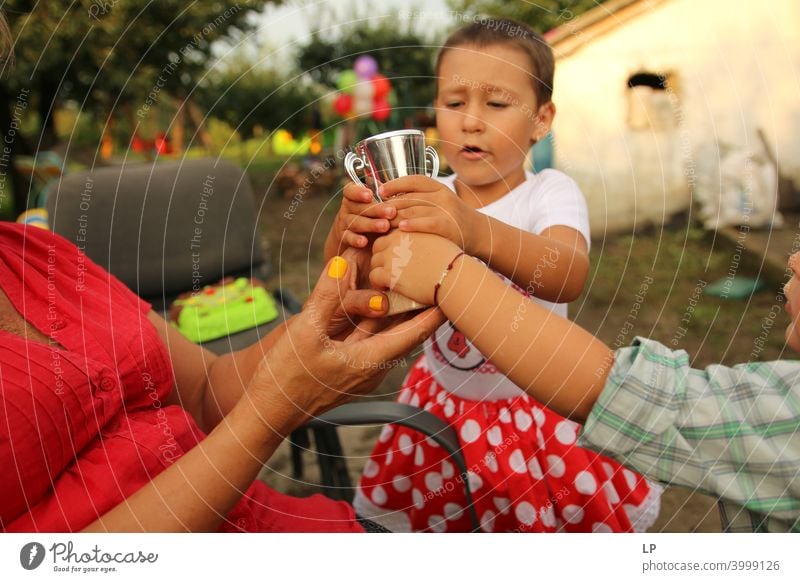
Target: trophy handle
[[352, 163], [430, 154]]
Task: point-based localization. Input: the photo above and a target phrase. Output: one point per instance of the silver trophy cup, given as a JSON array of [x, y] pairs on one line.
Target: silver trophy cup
[[387, 156], [391, 155]]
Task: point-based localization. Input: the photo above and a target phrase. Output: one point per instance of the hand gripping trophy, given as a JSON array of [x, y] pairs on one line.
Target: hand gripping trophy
[[387, 156]]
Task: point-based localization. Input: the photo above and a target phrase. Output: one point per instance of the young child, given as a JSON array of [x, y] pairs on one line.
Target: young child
[[493, 102], [731, 432]]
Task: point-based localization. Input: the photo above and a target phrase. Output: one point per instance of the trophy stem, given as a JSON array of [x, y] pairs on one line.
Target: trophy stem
[[400, 303]]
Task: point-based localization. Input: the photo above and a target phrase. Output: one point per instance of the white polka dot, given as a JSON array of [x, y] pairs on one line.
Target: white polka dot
[[490, 460], [401, 483], [538, 417], [494, 435], [474, 481], [600, 528], [418, 498], [371, 469], [447, 470], [419, 456], [502, 504], [452, 511], [609, 470], [379, 495], [431, 443], [525, 513], [428, 406], [505, 415], [403, 397], [414, 401], [449, 408], [432, 389], [440, 397], [386, 433], [572, 514], [517, 462], [565, 432], [548, 516], [405, 445], [585, 483], [470, 431], [433, 481], [436, 523], [555, 466], [630, 478], [522, 420], [487, 521], [535, 468], [389, 456], [611, 493]]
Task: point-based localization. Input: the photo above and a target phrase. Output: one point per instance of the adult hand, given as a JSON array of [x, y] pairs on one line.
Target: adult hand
[[314, 371], [425, 205], [411, 263]]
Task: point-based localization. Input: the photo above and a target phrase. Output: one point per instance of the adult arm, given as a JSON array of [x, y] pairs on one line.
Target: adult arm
[[209, 386], [304, 373]]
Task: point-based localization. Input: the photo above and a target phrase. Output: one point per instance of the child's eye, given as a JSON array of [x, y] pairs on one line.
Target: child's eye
[[498, 104], [453, 103]]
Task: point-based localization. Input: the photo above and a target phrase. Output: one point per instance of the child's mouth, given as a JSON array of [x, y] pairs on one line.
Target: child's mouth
[[473, 152]]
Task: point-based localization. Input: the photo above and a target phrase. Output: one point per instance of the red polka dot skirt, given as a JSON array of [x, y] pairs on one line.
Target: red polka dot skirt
[[524, 469]]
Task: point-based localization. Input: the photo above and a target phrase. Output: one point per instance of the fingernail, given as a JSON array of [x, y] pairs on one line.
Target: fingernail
[[403, 224], [376, 303], [390, 212], [337, 268]]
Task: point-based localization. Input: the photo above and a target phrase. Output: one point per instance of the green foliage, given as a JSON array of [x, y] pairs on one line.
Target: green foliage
[[404, 56], [247, 97], [106, 52], [541, 15]]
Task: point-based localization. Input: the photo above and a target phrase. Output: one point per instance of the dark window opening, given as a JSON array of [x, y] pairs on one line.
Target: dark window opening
[[651, 80]]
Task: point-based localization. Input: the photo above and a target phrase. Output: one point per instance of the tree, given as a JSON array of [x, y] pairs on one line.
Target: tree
[[107, 54], [247, 96], [541, 15]]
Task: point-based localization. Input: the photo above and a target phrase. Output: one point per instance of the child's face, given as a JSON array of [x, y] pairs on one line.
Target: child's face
[[487, 116], [792, 293]]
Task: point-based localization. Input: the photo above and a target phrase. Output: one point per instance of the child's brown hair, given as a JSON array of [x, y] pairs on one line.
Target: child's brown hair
[[505, 31]]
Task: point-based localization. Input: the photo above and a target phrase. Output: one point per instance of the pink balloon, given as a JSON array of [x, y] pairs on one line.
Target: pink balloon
[[365, 67]]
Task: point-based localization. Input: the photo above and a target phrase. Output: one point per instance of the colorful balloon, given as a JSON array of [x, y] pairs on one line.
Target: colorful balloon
[[347, 80], [365, 67], [381, 85], [382, 110], [343, 104]]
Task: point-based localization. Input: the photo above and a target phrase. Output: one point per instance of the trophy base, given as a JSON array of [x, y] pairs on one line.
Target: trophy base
[[402, 304]]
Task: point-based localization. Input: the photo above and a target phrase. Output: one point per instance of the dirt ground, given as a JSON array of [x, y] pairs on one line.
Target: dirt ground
[[650, 283]]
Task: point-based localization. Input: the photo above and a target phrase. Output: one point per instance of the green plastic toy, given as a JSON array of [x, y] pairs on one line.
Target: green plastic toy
[[221, 310]]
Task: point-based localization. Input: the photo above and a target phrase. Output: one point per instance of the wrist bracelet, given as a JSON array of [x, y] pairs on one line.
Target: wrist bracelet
[[444, 276]]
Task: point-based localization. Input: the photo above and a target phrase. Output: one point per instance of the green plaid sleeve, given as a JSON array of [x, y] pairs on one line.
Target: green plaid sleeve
[[731, 432]]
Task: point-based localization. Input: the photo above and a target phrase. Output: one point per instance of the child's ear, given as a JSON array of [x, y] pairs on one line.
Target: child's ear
[[544, 120]]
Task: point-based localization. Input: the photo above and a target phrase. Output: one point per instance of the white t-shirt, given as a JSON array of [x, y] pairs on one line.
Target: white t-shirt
[[549, 198]]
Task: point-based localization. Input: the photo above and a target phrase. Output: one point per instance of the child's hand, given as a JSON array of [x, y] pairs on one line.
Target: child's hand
[[410, 263], [358, 215], [429, 206]]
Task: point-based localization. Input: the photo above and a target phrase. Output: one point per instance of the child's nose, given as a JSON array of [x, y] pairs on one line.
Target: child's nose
[[471, 122]]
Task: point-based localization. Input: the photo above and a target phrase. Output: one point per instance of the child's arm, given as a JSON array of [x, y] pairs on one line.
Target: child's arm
[[555, 361], [552, 266], [358, 215]]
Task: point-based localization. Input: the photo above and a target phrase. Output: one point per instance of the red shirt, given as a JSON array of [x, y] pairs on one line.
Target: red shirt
[[83, 421]]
